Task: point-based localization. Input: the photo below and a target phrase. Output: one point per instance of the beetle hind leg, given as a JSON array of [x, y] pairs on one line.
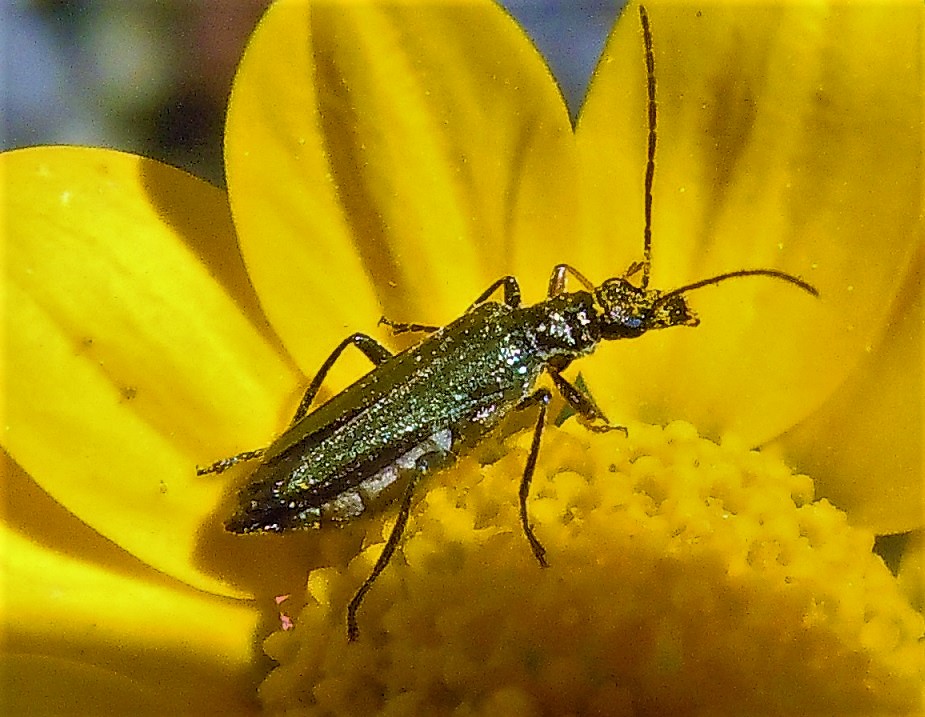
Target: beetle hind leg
[[353, 629], [225, 463], [542, 397], [432, 458]]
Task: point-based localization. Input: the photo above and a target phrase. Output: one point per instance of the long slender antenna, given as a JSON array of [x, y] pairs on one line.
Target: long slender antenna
[[650, 162], [650, 176], [773, 273]]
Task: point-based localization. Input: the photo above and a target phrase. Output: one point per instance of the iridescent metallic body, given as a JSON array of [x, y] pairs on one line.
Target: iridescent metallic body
[[416, 411], [421, 408]]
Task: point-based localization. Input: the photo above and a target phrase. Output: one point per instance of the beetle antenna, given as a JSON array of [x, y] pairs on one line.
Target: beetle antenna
[[650, 160], [773, 273]]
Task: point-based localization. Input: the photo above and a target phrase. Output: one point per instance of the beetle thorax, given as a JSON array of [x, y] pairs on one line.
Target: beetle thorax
[[565, 325]]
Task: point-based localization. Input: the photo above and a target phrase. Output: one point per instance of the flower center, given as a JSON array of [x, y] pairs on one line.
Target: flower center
[[683, 574]]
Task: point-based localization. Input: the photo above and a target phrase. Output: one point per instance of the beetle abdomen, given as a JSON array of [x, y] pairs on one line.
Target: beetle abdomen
[[436, 450]]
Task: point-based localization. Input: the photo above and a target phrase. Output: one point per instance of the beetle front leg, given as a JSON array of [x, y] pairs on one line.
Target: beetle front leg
[[584, 405], [542, 397]]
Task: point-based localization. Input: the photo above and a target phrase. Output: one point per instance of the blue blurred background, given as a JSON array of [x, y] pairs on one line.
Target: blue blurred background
[[153, 77]]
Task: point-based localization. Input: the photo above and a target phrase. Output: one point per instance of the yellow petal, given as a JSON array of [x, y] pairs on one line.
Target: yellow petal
[[51, 686], [392, 158], [127, 363], [784, 142], [864, 446], [77, 634]]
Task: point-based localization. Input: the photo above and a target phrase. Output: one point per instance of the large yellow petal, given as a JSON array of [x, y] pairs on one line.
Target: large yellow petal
[[789, 138], [865, 445], [392, 157], [127, 363], [80, 638]]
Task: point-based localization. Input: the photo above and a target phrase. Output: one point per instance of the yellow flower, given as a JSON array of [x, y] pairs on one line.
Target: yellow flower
[[396, 159], [685, 578]]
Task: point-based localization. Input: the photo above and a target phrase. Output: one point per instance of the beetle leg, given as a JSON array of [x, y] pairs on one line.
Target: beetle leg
[[372, 349], [376, 352], [583, 404], [511, 292], [542, 397], [225, 463], [511, 298], [353, 629], [557, 279], [401, 328], [633, 269]]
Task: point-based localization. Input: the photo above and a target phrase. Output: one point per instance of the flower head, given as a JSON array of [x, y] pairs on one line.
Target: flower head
[[397, 159], [686, 577]]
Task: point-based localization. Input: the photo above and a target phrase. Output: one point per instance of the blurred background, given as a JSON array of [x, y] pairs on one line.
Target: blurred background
[[153, 76]]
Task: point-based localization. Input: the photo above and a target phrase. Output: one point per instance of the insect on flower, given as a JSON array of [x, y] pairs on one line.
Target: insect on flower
[[417, 410]]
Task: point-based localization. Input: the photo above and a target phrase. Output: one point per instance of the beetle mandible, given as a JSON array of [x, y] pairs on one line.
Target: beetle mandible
[[417, 410]]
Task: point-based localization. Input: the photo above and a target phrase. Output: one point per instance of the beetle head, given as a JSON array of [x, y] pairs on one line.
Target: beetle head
[[627, 310]]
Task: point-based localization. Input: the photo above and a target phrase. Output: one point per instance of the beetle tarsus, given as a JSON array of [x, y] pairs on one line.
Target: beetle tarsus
[[225, 463], [399, 327]]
